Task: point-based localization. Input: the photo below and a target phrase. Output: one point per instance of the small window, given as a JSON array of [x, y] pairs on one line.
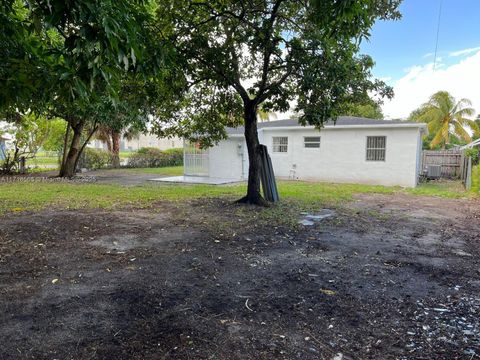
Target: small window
[[376, 146], [280, 144], [312, 141]]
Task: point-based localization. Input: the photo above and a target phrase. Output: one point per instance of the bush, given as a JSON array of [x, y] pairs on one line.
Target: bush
[[153, 157], [473, 153], [94, 159]]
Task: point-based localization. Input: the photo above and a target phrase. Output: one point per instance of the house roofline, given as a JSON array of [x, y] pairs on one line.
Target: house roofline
[[421, 126], [333, 127]]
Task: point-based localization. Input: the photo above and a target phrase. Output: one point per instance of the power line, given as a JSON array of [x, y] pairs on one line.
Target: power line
[[438, 32]]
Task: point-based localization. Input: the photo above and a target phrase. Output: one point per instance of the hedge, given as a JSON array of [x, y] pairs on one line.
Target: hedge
[[149, 157]]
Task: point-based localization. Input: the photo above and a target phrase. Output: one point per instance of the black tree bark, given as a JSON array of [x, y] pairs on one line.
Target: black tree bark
[[68, 167], [251, 136]]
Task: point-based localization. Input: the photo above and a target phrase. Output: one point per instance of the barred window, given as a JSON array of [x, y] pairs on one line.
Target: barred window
[[280, 144], [376, 146], [311, 141]]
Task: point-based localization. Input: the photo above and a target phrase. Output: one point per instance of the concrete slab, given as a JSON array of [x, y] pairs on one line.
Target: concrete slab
[[196, 180]]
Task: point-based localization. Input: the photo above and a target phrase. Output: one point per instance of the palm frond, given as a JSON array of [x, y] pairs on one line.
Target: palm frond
[[461, 132]]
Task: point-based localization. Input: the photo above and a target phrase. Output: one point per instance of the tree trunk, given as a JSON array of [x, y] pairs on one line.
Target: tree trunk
[[251, 136], [68, 167], [65, 144], [108, 141], [115, 149]]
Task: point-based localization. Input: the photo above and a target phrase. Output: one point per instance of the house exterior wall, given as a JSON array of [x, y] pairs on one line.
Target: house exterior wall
[[142, 141], [340, 158], [226, 160]]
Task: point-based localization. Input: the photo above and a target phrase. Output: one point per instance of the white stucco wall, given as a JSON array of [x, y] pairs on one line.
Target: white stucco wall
[[340, 158], [225, 159]]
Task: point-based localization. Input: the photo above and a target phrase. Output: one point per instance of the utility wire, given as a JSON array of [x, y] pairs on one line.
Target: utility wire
[[438, 32]]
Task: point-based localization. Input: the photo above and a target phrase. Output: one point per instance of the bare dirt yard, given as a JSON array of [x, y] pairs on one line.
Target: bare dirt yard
[[387, 277]]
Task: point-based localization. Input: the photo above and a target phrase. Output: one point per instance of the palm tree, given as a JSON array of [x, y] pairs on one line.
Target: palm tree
[[446, 117], [476, 132], [264, 115]]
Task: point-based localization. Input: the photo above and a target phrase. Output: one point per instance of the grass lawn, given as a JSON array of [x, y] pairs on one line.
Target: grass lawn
[[43, 158], [38, 161], [125, 154], [476, 179], [168, 170], [25, 196]]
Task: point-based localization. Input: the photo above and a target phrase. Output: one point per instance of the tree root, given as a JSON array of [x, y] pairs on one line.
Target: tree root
[[255, 200]]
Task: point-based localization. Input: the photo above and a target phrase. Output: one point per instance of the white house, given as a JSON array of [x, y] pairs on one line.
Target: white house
[[353, 150]]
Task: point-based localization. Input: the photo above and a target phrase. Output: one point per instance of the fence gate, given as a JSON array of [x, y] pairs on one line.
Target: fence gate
[[450, 161], [195, 160]]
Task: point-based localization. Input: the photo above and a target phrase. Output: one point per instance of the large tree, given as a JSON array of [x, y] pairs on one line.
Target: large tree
[[369, 109], [446, 118], [64, 57], [127, 117], [238, 56]]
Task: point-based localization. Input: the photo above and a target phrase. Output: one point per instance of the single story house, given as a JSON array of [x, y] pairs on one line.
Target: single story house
[[351, 150]]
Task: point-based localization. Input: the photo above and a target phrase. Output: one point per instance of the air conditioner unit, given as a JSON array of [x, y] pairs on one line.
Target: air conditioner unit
[[434, 171]]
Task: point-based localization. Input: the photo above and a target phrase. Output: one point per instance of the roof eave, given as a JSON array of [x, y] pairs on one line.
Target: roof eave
[[420, 126]]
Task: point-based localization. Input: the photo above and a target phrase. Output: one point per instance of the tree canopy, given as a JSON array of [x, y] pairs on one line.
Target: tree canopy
[[369, 109], [236, 56], [69, 59]]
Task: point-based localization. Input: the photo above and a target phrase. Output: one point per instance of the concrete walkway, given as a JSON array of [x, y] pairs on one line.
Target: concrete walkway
[[195, 180]]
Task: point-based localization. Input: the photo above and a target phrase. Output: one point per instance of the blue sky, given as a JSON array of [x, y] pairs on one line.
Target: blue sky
[[403, 52], [397, 45]]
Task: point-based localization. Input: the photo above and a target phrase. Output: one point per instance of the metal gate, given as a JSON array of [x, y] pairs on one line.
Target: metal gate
[[195, 160]]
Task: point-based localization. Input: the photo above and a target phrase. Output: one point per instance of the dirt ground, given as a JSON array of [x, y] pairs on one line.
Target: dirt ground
[[387, 277]]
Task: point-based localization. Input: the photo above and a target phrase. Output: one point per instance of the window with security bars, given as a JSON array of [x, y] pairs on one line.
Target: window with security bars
[[311, 141], [376, 147], [280, 144]]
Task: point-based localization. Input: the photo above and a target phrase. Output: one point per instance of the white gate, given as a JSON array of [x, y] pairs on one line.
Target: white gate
[[195, 160]]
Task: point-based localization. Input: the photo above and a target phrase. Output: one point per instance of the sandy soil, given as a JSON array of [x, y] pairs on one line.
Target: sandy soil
[[388, 277]]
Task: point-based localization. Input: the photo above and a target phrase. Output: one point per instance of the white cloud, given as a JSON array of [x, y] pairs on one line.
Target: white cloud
[[464, 51], [430, 54], [461, 79], [385, 78]]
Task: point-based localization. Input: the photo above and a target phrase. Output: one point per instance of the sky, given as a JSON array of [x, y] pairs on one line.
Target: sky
[[404, 50]]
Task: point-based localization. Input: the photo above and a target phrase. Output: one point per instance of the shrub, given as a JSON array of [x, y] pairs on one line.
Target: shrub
[[94, 159], [473, 153], [153, 157]]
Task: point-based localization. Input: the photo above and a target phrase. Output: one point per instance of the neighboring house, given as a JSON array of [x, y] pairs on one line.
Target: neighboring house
[[3, 147], [354, 150], [142, 141]]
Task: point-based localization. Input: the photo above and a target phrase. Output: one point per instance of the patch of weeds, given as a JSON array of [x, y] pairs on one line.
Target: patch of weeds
[[452, 189]]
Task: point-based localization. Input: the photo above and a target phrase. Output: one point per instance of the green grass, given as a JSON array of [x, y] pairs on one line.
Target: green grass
[[125, 154], [43, 158], [37, 161], [445, 189], [476, 180], [42, 161], [35, 196], [168, 170], [40, 169]]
